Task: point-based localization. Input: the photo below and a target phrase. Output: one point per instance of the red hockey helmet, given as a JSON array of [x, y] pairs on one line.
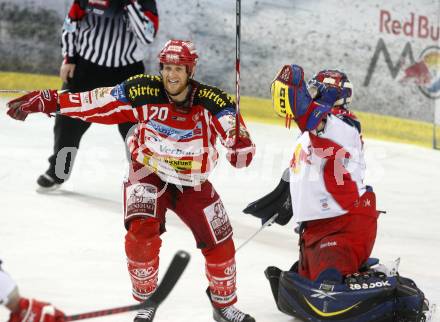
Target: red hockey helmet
[[179, 52], [333, 78]]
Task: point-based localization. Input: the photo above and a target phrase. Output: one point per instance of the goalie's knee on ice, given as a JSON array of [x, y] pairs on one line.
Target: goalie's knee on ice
[[142, 241]]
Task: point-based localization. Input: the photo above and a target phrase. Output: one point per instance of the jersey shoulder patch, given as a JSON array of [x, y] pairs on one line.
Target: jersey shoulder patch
[[144, 89], [213, 99]]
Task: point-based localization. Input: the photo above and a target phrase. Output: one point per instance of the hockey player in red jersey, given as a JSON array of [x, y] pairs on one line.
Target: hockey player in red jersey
[[173, 150], [24, 309]]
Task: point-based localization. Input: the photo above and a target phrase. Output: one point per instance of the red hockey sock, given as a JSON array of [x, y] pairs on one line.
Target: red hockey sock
[[220, 271], [142, 246]]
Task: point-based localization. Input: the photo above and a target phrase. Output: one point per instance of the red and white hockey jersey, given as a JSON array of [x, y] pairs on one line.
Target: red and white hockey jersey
[[177, 143], [327, 170]]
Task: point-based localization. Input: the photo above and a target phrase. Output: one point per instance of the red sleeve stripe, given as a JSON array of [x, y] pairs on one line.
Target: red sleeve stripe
[[76, 12], [103, 111], [153, 18]]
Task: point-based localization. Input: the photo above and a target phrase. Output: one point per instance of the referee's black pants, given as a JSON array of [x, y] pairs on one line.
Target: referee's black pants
[[68, 131]]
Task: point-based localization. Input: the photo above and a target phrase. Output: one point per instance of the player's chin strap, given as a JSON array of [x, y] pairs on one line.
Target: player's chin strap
[[266, 224]]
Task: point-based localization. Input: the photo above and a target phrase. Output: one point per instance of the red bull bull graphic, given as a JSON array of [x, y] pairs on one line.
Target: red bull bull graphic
[[426, 72]]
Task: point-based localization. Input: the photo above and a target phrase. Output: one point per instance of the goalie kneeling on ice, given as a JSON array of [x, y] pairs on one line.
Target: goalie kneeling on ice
[[362, 297]]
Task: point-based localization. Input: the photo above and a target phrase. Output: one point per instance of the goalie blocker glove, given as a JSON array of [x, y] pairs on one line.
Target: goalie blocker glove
[[276, 202]]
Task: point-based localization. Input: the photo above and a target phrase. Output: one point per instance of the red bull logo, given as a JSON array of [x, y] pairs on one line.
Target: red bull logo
[[426, 72], [423, 71]]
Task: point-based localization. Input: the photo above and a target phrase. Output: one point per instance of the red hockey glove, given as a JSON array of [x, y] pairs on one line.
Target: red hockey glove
[[241, 153], [45, 101], [35, 311]]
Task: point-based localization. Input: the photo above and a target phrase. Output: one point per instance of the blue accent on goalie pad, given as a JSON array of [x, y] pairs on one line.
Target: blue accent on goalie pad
[[327, 300]]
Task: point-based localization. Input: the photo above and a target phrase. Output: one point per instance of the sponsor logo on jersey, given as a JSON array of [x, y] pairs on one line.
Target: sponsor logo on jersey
[[140, 76], [118, 92], [102, 91], [141, 90], [178, 152], [299, 157], [226, 111], [218, 99], [177, 134], [177, 164]]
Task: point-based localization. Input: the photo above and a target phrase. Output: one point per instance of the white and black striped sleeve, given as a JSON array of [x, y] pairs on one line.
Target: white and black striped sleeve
[[70, 33], [144, 20]]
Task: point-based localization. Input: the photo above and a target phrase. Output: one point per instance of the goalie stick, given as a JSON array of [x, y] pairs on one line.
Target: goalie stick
[[169, 280]]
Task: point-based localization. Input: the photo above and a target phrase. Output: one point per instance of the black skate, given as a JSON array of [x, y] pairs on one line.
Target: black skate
[[48, 183], [229, 314], [146, 314]]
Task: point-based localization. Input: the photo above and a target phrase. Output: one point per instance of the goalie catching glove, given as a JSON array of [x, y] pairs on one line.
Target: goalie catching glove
[[45, 101], [291, 98], [30, 310]]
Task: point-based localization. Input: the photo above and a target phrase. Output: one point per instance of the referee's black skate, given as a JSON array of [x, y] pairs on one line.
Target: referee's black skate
[[146, 315], [229, 314], [48, 183]]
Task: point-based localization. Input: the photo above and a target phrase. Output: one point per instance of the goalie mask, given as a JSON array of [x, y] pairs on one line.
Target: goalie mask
[[332, 78]]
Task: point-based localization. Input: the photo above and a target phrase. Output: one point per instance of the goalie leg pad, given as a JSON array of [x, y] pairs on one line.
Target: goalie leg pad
[[376, 299], [142, 247], [221, 274]]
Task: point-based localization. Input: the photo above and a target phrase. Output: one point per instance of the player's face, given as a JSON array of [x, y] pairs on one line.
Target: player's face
[[175, 78]]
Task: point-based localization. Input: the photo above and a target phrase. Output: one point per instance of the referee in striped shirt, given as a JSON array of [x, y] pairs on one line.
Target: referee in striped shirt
[[103, 44]]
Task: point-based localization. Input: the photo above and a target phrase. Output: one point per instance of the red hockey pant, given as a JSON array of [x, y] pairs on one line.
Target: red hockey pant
[[343, 242], [146, 201]]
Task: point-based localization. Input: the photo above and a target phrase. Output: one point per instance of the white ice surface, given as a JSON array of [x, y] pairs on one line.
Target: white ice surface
[[68, 247]]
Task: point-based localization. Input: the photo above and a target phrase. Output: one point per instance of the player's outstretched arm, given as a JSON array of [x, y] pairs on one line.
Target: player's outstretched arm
[[107, 105]]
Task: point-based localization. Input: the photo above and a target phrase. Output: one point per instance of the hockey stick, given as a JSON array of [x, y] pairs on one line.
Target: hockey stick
[[266, 224], [13, 91], [25, 91], [172, 275], [237, 68]]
